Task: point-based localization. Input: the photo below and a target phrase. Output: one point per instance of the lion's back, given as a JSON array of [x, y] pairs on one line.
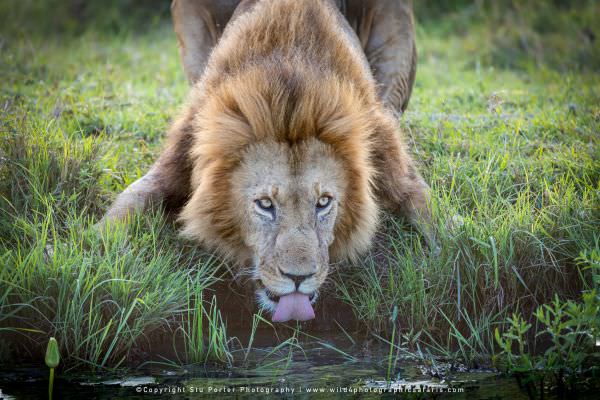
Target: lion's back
[[302, 33]]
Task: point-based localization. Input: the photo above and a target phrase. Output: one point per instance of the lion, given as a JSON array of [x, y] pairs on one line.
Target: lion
[[289, 146]]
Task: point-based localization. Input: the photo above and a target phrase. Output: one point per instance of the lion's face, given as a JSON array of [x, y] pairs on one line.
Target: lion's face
[[287, 203], [282, 178]]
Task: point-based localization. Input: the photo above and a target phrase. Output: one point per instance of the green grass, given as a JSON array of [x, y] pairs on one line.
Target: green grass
[[504, 120], [101, 296], [512, 155], [204, 331]]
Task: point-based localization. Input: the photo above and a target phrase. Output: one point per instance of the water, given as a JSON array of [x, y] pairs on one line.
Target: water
[[319, 366], [328, 362]]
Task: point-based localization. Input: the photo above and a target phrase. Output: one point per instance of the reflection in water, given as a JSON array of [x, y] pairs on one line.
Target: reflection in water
[[323, 366], [283, 360]]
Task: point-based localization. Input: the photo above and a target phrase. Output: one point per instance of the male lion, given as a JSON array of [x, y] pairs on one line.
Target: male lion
[[289, 145]]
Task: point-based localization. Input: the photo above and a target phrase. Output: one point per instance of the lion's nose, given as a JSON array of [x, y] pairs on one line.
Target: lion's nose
[[297, 279]]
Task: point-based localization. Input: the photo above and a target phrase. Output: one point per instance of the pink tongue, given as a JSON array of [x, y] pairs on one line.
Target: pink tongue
[[293, 306]]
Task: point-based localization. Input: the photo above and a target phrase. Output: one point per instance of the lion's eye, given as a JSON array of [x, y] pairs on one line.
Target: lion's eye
[[265, 203], [323, 202]]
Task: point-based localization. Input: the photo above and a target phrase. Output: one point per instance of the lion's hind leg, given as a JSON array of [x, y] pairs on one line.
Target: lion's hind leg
[[198, 25], [386, 31]]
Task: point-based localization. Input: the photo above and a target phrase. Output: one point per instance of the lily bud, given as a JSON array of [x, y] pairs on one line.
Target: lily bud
[[52, 353]]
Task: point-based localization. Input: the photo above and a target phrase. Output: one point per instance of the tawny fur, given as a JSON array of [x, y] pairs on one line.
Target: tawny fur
[[284, 73]]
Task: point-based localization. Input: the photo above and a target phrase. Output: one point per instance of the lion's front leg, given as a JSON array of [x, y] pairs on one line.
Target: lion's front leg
[[136, 198], [399, 185], [166, 183]]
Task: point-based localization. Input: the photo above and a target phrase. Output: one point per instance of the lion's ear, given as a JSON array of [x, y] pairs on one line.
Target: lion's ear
[[191, 216], [208, 216]]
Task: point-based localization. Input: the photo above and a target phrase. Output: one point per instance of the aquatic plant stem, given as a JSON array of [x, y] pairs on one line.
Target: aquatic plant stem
[[51, 384], [393, 318]]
